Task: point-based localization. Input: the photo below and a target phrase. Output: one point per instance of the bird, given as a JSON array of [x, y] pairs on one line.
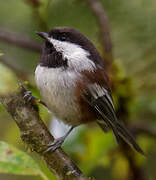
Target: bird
[[72, 79]]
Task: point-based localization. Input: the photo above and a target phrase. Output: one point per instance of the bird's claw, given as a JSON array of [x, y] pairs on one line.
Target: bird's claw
[[55, 144], [28, 97]]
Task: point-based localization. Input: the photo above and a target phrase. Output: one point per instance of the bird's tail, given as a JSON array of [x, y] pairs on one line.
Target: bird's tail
[[127, 137], [104, 107], [121, 132]]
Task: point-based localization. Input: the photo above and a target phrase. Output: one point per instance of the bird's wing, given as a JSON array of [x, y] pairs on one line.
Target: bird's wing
[[100, 99]]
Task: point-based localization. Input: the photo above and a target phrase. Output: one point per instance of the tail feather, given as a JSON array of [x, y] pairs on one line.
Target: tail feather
[[117, 127], [128, 138], [120, 132], [103, 106]]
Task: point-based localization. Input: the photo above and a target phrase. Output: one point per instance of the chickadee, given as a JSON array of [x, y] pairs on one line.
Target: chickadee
[[72, 80]]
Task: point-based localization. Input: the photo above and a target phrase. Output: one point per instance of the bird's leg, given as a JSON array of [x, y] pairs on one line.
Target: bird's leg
[[30, 98], [58, 142]]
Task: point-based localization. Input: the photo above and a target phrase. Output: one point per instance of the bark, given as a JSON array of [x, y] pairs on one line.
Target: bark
[[103, 24], [19, 41], [37, 136]]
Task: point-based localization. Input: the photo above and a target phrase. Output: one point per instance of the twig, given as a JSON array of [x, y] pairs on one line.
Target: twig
[[135, 171], [102, 20], [20, 41], [35, 5], [36, 135], [41, 21], [143, 129]]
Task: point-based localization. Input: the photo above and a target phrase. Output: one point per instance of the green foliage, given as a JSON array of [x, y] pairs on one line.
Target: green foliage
[[14, 161], [97, 146]]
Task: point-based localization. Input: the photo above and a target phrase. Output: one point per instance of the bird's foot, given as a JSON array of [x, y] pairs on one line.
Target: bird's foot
[[58, 142], [55, 144], [29, 98]]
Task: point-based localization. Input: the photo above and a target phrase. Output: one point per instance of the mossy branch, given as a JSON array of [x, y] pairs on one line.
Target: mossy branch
[[37, 136]]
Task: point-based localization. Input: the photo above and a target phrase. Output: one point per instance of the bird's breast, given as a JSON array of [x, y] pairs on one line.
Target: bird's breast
[[57, 87]]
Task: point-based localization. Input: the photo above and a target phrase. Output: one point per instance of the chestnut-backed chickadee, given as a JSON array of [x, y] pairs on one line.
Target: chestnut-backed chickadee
[[72, 80]]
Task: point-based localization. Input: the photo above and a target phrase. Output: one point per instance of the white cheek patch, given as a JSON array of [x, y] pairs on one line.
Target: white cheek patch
[[78, 58]]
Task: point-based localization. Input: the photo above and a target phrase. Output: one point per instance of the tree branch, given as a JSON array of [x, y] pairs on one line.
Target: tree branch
[[20, 41], [102, 20], [35, 5], [36, 135], [143, 129], [135, 171]]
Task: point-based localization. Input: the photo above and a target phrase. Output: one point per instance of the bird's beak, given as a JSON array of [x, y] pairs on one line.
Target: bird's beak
[[43, 35]]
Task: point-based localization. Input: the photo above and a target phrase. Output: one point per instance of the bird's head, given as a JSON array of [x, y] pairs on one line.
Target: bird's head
[[74, 48]]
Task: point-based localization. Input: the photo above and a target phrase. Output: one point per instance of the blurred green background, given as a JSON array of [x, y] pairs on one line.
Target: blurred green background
[[133, 72]]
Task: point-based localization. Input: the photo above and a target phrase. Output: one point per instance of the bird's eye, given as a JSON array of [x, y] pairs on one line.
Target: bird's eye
[[63, 37]]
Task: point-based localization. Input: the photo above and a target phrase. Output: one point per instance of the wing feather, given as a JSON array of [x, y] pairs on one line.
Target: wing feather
[[101, 101]]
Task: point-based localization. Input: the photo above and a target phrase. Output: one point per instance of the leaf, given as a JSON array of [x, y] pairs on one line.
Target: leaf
[[14, 161], [1, 54]]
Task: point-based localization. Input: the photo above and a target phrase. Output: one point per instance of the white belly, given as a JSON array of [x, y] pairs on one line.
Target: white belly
[[57, 89]]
